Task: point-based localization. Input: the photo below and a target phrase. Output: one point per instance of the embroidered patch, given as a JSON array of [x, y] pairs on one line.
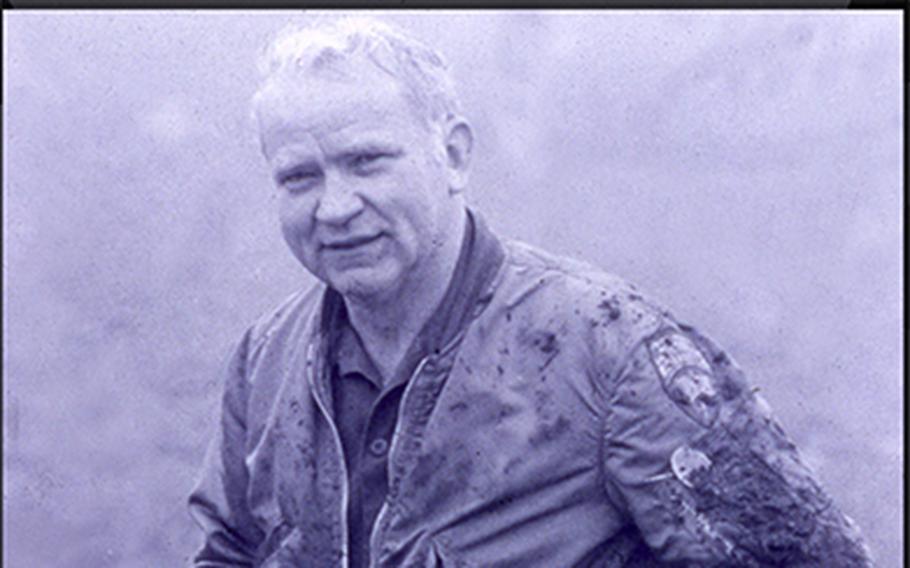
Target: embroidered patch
[[685, 376], [671, 352]]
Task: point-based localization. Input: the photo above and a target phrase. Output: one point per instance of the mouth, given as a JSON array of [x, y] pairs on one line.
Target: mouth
[[351, 243]]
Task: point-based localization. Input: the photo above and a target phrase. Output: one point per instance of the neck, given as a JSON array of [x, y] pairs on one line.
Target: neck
[[387, 326]]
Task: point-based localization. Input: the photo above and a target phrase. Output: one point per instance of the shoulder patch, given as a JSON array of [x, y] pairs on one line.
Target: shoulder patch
[[685, 376]]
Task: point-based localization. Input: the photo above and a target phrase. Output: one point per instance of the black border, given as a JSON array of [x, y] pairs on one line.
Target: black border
[[457, 4]]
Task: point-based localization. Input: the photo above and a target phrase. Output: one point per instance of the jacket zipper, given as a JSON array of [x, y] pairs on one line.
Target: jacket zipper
[[383, 512], [336, 438]]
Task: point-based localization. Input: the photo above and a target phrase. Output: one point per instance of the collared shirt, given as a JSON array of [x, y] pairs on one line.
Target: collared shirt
[[366, 411]]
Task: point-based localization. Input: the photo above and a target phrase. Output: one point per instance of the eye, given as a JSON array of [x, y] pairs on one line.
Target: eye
[[299, 180], [367, 162]]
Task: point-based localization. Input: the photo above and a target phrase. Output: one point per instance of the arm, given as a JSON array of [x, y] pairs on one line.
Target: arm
[[707, 474], [218, 503]]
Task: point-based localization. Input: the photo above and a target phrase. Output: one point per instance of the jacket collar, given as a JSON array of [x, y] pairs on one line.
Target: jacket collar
[[479, 260]]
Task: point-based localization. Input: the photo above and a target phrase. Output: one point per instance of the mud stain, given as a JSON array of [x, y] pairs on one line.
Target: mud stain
[[543, 401], [547, 432], [458, 407], [438, 478], [512, 465], [546, 343], [482, 408], [729, 388], [611, 307], [746, 499]]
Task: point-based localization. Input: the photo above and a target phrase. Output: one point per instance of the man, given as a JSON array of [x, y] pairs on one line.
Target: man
[[446, 398]]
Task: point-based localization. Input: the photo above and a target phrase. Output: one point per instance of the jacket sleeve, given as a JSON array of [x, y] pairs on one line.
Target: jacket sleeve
[[218, 503], [705, 471]]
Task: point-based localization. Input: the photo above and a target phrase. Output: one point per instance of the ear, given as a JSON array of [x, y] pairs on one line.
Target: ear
[[459, 143]]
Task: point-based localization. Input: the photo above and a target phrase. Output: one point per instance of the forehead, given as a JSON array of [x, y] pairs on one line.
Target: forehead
[[355, 100]]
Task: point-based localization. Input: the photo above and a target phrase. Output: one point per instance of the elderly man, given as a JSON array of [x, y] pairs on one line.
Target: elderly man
[[446, 398]]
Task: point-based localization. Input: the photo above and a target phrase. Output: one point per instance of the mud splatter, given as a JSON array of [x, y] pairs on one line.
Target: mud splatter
[[458, 407], [543, 402], [511, 465], [438, 478], [482, 408], [546, 343], [547, 432], [741, 502], [611, 307], [728, 387]]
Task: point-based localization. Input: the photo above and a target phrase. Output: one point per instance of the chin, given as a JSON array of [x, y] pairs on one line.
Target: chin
[[364, 285]]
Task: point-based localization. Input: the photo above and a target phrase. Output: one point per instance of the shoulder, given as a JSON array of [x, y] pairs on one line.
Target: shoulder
[[611, 313], [291, 316], [566, 275], [260, 361]]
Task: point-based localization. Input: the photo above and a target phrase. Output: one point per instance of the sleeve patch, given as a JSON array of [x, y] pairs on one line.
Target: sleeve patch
[[673, 351], [685, 376]]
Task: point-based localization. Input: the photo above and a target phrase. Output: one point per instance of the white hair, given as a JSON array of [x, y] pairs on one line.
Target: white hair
[[418, 68]]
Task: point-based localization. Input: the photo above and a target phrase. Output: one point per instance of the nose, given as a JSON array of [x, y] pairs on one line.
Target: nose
[[338, 203]]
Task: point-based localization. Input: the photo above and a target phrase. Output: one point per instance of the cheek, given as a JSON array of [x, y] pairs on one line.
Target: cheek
[[295, 216]]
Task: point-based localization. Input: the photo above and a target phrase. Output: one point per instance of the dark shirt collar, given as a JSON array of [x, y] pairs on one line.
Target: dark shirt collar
[[478, 262]]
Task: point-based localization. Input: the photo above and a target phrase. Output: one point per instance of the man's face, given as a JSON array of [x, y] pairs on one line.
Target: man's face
[[362, 180]]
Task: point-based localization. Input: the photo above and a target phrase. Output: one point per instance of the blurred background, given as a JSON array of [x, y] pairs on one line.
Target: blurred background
[[744, 168]]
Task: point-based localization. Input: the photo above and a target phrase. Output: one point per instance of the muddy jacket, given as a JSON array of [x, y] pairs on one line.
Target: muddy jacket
[[573, 423]]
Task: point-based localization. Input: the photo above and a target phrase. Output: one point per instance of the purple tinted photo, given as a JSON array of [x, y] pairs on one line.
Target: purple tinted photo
[[447, 288]]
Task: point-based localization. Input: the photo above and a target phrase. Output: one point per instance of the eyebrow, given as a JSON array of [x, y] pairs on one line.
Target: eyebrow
[[288, 158], [369, 147], [393, 151]]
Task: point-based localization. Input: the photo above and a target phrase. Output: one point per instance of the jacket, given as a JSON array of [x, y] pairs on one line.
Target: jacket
[[573, 423]]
